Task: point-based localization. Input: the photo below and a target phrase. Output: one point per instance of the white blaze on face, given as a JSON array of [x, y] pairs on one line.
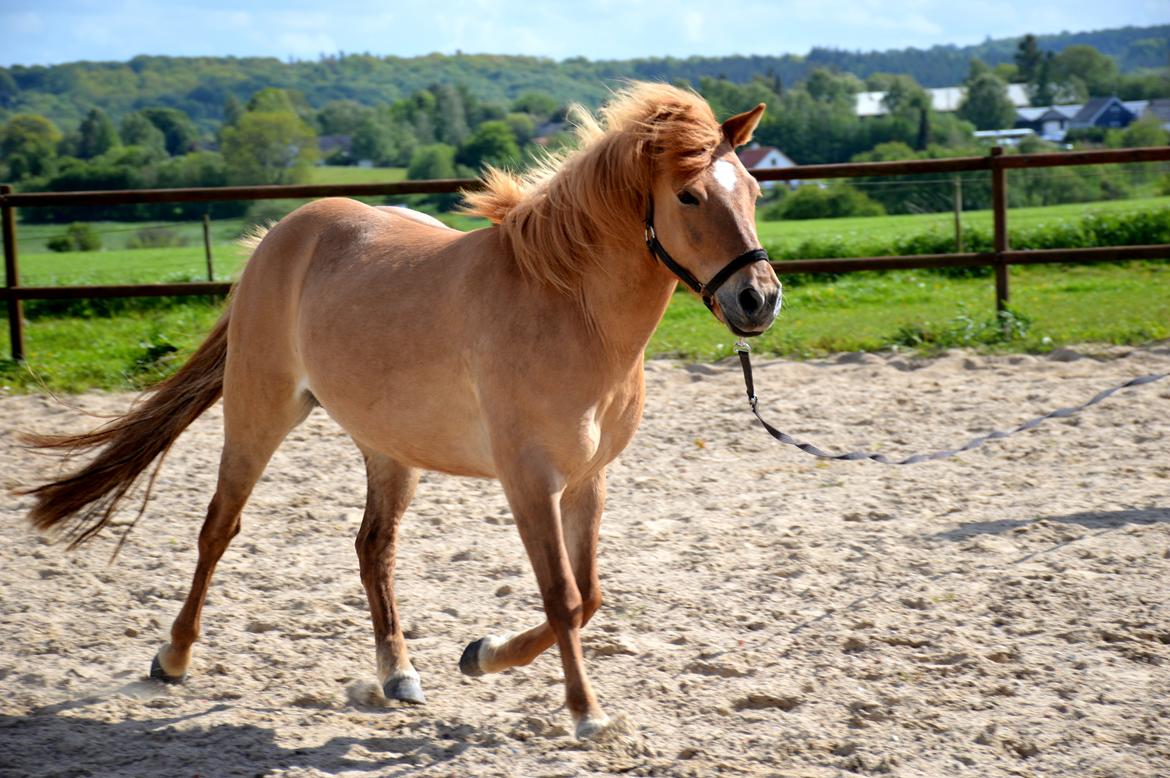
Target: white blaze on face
[[725, 174]]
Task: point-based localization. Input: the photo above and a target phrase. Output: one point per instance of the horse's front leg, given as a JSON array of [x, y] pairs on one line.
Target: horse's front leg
[[390, 487], [559, 530]]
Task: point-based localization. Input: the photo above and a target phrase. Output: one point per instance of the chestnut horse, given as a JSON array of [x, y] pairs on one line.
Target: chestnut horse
[[512, 352]]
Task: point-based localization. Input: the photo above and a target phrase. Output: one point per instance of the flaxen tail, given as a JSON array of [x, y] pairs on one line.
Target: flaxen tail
[[79, 505]]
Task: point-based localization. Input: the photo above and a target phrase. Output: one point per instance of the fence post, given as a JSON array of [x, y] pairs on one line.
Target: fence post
[[958, 213], [12, 279], [207, 246], [999, 215]]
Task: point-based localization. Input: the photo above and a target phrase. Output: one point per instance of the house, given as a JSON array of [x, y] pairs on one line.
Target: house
[[765, 158], [1049, 122], [329, 145], [1159, 108], [944, 99], [1005, 137], [1107, 112]]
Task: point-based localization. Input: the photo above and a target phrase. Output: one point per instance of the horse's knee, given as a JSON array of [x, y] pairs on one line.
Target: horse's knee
[[590, 604]]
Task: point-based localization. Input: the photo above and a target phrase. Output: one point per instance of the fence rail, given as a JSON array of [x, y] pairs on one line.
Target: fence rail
[[996, 163]]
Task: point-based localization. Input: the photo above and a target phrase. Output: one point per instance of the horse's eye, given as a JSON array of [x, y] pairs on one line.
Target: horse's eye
[[686, 198]]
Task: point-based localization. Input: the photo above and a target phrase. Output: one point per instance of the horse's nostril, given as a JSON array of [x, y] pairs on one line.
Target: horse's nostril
[[750, 300]]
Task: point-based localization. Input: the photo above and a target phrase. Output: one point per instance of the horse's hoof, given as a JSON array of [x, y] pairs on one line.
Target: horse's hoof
[[159, 674], [591, 726], [405, 687], [469, 662]]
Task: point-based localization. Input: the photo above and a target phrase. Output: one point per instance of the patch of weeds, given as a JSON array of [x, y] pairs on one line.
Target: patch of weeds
[[964, 330]]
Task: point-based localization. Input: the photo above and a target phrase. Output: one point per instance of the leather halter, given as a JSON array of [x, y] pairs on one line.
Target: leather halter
[[705, 291]]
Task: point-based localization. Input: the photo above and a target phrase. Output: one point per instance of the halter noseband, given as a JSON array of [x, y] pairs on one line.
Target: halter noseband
[[707, 290]]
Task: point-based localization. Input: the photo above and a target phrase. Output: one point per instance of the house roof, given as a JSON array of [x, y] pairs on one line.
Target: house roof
[[1136, 107], [754, 155], [1094, 108], [1159, 107]]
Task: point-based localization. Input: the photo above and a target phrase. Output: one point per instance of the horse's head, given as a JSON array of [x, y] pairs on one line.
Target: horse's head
[[702, 226]]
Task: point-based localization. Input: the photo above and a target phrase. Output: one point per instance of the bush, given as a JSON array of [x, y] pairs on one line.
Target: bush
[[78, 237], [156, 238], [836, 200]]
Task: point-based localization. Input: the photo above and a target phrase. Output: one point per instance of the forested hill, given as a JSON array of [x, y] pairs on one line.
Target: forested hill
[[199, 86]]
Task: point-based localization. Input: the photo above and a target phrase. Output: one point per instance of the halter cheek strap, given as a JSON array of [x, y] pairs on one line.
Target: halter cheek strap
[[705, 291]]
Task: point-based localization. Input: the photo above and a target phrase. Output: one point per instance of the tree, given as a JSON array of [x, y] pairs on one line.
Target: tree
[[28, 145], [1091, 73], [1145, 132], [232, 110], [827, 86], [450, 117], [539, 105], [522, 125], [97, 135], [909, 103], [177, 129], [268, 147], [137, 130], [342, 117], [986, 104], [430, 162], [9, 89], [492, 143], [1028, 59], [1044, 92]]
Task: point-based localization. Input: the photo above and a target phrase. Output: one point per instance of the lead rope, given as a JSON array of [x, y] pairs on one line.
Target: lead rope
[[743, 349]]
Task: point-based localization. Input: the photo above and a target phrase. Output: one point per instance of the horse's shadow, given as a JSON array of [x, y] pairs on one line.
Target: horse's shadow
[[54, 741], [1087, 519]]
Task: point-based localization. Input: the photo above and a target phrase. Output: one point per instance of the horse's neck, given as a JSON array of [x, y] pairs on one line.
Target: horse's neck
[[625, 299]]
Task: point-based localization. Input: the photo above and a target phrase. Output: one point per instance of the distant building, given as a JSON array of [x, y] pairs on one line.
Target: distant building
[[1107, 112], [1054, 121], [766, 158], [944, 99], [1005, 137], [1160, 109], [1049, 122], [334, 144]]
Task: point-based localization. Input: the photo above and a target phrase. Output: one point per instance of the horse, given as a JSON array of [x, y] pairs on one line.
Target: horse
[[512, 352]]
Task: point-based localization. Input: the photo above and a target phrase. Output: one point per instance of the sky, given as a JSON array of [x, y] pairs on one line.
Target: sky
[[51, 31]]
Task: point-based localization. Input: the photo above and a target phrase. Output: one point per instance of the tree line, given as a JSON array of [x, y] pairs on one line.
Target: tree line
[[447, 131], [201, 86]]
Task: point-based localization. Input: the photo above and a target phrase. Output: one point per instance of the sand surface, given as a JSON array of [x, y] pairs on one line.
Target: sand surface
[[1004, 613]]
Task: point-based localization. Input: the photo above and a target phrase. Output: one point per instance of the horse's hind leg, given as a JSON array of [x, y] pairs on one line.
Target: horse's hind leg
[[253, 429], [390, 489]]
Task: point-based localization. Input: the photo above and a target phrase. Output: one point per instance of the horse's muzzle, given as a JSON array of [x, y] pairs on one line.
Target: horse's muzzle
[[749, 308]]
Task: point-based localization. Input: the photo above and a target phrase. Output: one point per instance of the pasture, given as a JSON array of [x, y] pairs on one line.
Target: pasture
[[998, 614]]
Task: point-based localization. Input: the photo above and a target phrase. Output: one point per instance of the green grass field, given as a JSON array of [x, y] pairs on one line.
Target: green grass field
[[333, 174], [1057, 305], [877, 228]]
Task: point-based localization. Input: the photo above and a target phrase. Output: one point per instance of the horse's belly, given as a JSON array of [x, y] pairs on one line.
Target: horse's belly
[[435, 427]]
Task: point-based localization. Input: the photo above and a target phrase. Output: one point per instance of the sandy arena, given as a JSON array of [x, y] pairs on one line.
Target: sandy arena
[[1004, 613]]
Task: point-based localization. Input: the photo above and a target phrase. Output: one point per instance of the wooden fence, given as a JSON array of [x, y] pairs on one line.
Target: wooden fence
[[996, 163]]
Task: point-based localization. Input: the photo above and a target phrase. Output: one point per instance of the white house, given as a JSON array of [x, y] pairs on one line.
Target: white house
[[944, 99], [765, 158]]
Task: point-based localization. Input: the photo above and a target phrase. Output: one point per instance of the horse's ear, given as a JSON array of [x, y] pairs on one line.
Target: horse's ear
[[739, 128]]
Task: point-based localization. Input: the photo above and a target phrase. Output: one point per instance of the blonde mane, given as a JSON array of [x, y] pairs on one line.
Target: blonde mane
[[558, 214]]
